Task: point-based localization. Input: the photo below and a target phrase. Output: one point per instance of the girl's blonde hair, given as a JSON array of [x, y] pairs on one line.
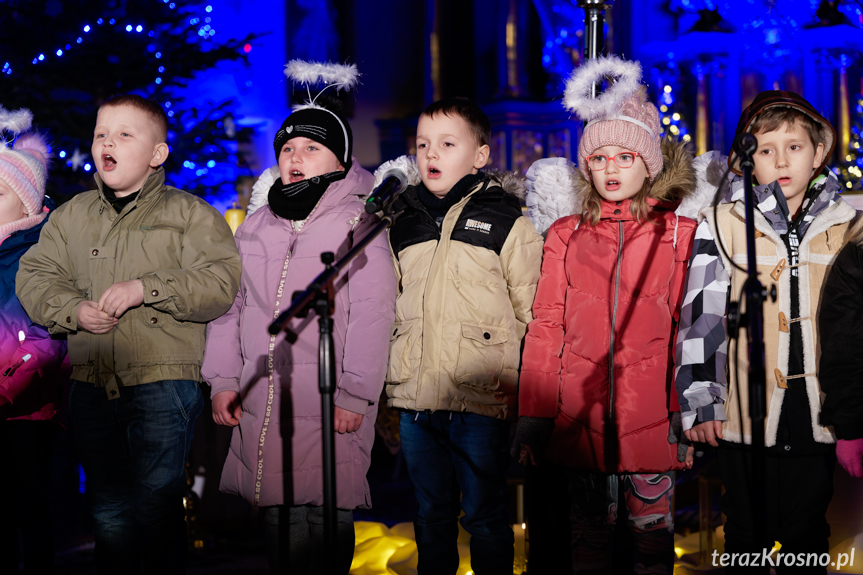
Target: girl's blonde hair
[[639, 207]]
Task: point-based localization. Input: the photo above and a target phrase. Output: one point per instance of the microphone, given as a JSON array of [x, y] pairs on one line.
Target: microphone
[[393, 183], [746, 145]]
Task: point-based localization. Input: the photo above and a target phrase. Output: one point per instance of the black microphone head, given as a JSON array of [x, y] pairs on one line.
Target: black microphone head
[[393, 182], [746, 144], [402, 177]]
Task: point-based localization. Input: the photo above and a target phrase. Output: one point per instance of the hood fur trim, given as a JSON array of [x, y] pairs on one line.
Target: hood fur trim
[[261, 189], [709, 168], [404, 164], [676, 181], [513, 182]]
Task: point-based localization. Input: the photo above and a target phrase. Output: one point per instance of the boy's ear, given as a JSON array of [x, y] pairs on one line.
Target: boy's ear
[[819, 155], [160, 154], [481, 157]]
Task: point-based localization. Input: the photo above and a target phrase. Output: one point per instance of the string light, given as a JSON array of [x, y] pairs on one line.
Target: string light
[[850, 171], [208, 164], [206, 31], [671, 121]]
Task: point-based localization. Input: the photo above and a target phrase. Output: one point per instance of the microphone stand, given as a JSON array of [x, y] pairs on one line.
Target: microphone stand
[[320, 297], [753, 316], [594, 35]]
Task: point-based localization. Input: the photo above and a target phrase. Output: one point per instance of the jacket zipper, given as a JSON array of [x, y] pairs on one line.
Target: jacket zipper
[[613, 323]]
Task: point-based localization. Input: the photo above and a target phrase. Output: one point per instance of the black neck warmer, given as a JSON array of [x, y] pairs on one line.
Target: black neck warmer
[[438, 207], [296, 201]]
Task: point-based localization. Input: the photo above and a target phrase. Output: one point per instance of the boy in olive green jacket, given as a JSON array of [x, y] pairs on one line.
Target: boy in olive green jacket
[[130, 273]]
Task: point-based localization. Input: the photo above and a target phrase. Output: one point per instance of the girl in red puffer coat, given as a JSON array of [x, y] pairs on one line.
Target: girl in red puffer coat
[[595, 392]]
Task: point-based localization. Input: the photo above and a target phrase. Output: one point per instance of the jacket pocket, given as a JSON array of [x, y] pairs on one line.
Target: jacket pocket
[[481, 354], [400, 367], [79, 347], [159, 338]]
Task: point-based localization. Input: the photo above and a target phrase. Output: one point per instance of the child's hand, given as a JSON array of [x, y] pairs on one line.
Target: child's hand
[[532, 436], [690, 453], [227, 409], [122, 296], [706, 432], [685, 451], [91, 318], [347, 421], [525, 456]]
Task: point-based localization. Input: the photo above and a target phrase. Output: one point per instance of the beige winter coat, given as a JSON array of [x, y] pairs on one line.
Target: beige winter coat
[[818, 248], [465, 296]]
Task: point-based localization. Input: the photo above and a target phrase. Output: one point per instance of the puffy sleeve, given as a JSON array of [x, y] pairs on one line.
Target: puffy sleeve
[[223, 359], [539, 384], [372, 289], [701, 349], [840, 327]]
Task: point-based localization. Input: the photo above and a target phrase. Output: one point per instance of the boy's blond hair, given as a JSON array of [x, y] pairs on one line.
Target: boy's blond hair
[[150, 107]]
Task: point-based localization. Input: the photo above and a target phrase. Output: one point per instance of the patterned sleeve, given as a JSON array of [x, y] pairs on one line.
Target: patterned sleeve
[[702, 346]]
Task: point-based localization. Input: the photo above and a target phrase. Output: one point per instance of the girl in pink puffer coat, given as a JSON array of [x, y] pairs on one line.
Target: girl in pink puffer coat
[[266, 387]]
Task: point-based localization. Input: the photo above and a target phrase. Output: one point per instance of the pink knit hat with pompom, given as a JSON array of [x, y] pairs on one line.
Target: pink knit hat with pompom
[[621, 116], [24, 168]]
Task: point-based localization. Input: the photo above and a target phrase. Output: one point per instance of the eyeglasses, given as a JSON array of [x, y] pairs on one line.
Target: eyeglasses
[[622, 160]]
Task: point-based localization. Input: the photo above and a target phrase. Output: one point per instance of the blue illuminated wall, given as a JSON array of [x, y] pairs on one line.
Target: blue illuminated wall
[[260, 88], [768, 45]]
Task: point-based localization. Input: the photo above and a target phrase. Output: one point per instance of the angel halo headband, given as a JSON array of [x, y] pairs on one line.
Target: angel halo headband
[[14, 122], [578, 99]]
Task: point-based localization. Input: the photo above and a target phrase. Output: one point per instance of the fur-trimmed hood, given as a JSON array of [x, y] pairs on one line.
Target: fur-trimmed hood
[[556, 187], [512, 182]]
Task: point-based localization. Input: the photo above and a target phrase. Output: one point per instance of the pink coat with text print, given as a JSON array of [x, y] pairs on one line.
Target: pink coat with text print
[[241, 355]]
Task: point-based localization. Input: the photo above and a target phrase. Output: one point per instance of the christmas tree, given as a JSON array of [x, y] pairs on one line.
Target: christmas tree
[[62, 59], [671, 107], [851, 160]]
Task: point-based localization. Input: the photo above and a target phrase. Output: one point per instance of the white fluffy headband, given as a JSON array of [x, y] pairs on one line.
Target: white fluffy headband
[[627, 80], [16, 122], [338, 76]]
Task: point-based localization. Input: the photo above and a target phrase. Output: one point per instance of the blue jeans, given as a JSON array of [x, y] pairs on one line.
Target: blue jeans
[[134, 450], [451, 454]]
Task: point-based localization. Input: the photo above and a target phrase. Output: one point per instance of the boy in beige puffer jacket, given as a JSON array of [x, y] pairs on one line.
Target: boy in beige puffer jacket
[[467, 262]]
